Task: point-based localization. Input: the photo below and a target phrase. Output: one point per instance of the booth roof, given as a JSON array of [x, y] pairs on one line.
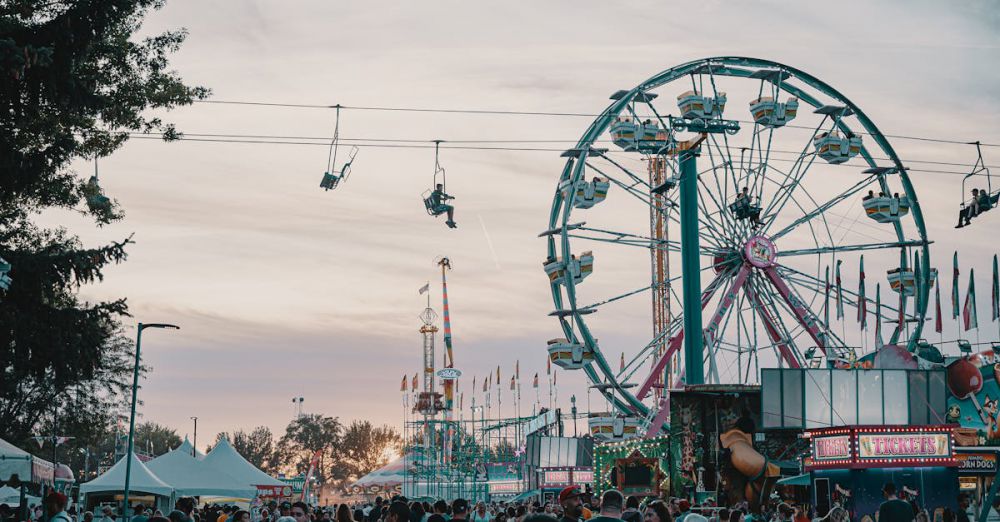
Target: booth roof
[[29, 468], [189, 448], [142, 480], [226, 459], [12, 497], [190, 477], [389, 475]]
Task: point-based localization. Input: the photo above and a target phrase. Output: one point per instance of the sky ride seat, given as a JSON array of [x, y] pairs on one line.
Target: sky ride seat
[[590, 193], [770, 113], [571, 356], [609, 427], [434, 202], [886, 209], [577, 268], [96, 200], [703, 114], [329, 181], [837, 149], [905, 281], [5, 279]]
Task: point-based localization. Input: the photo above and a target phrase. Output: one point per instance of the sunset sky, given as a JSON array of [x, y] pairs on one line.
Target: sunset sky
[[282, 289]]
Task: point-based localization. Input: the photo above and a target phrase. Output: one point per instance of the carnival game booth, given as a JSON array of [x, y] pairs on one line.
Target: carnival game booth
[[223, 458], [23, 472], [385, 481], [144, 487], [850, 465], [553, 463]]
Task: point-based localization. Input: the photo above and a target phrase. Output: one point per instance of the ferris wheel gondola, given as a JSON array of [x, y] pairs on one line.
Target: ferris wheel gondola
[[760, 211]]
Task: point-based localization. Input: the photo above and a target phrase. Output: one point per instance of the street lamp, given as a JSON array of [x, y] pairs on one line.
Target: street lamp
[[131, 423]]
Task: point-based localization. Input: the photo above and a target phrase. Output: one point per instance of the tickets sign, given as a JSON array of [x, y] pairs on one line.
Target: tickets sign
[[828, 448], [903, 445]]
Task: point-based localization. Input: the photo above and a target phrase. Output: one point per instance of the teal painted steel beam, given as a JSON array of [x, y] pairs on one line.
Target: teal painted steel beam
[[694, 365]]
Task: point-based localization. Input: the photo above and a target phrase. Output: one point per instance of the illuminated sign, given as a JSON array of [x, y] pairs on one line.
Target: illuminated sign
[[977, 463], [505, 487], [449, 374], [968, 483], [903, 445], [583, 477], [555, 477], [826, 448]]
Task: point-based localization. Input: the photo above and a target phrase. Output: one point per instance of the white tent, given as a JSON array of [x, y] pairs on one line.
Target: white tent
[[225, 459], [191, 477], [12, 497], [187, 447], [28, 468], [113, 481]]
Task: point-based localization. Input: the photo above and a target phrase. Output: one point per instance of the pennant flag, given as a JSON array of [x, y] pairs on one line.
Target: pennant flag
[[996, 289], [840, 292], [826, 298], [553, 378], [534, 383], [954, 286], [901, 318], [473, 384], [62, 440], [498, 375], [969, 310], [862, 299], [517, 369], [878, 316], [622, 365], [511, 383], [414, 382], [938, 320], [402, 385], [486, 385], [424, 289], [461, 401], [548, 366], [918, 284]]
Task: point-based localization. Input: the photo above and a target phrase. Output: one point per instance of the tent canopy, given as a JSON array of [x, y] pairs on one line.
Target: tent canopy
[[29, 468], [142, 480], [389, 475], [225, 459], [190, 477], [798, 480], [187, 447], [12, 497]]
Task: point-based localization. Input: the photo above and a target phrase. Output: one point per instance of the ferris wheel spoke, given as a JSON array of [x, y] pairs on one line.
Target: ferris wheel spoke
[[851, 248], [794, 176], [623, 296], [820, 209], [629, 173], [773, 326], [851, 298], [641, 196], [725, 219]]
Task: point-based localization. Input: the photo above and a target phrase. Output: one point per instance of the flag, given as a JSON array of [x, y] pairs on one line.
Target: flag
[[517, 369], [414, 386], [498, 375], [424, 289], [473, 384], [901, 317], [548, 366], [954, 286], [826, 298], [402, 385], [969, 310], [995, 301], [621, 366], [486, 385], [511, 383], [918, 284], [862, 299], [938, 320], [62, 440], [534, 383], [878, 316], [553, 378], [461, 401], [40, 441], [840, 292]]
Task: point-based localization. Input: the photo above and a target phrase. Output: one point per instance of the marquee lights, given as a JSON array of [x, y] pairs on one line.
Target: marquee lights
[[881, 446]]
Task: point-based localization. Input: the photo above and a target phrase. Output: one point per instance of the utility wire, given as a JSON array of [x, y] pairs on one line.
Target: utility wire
[[536, 113], [429, 145]]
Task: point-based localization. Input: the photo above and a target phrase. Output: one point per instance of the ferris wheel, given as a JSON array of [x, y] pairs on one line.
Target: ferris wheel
[[742, 199]]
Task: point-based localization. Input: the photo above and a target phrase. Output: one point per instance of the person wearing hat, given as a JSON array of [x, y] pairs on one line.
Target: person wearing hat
[[55, 507], [684, 506], [569, 499]]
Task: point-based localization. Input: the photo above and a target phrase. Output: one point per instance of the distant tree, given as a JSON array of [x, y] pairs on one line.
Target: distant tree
[[305, 436], [257, 446], [155, 439], [365, 448]]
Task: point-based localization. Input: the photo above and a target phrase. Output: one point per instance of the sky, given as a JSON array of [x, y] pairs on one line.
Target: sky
[[284, 290]]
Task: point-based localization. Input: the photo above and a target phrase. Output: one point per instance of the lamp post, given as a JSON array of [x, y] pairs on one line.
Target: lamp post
[[131, 422], [194, 451]]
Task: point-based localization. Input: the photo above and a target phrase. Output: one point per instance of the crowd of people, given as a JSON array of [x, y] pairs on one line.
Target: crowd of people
[[571, 505]]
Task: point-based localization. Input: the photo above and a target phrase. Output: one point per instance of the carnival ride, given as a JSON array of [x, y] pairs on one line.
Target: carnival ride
[[763, 209], [333, 177]]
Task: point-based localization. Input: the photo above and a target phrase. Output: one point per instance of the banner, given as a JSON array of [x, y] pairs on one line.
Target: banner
[[878, 316], [862, 298], [938, 320], [954, 286], [840, 292], [969, 315], [826, 298], [995, 300]]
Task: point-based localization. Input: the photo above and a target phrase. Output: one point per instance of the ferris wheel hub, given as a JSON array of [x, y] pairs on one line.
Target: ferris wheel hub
[[760, 251]]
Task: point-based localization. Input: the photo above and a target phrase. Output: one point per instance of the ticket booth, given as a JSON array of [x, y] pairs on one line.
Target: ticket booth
[[848, 466]]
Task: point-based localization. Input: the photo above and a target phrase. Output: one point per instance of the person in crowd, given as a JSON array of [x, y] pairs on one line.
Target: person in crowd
[[569, 500], [459, 509], [893, 509], [398, 512], [55, 507], [285, 519], [631, 512], [481, 514], [139, 513], [344, 514], [240, 515], [612, 505], [540, 517], [88, 516], [417, 512], [736, 515], [376, 511], [964, 501], [683, 509], [107, 514], [441, 508], [657, 511]]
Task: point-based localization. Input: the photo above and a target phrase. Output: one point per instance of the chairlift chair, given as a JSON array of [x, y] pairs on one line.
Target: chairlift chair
[[96, 200], [982, 202], [434, 200]]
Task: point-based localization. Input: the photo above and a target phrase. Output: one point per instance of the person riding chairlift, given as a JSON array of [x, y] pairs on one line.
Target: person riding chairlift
[[438, 198], [967, 213]]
